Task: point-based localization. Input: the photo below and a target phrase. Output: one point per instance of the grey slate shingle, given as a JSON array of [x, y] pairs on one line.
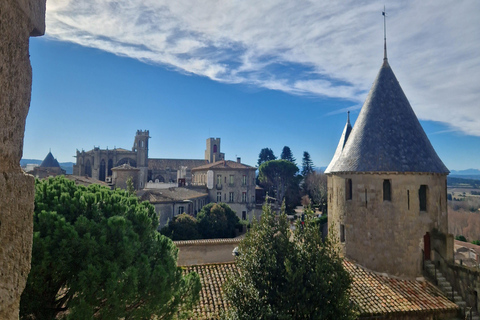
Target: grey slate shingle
[[387, 136]]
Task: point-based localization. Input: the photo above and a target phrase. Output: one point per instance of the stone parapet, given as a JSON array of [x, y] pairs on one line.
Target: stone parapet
[[19, 19]]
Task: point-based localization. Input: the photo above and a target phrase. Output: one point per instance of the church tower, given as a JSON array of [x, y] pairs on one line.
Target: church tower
[[387, 187], [140, 146], [212, 153]]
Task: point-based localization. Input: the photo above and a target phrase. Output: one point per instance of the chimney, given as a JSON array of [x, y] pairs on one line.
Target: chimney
[[239, 160]]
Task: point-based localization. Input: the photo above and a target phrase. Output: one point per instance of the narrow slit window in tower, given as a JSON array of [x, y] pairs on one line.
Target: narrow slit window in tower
[[348, 189], [342, 233], [387, 191], [408, 199], [422, 195]]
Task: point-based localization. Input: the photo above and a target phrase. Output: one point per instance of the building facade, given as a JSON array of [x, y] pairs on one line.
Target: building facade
[[230, 182], [98, 163], [387, 187]]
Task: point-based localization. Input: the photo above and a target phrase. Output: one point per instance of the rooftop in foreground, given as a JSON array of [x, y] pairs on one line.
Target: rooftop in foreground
[[377, 296]]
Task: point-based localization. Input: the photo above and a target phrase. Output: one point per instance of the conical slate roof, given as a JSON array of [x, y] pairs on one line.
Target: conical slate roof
[[387, 136], [49, 162], [341, 143]]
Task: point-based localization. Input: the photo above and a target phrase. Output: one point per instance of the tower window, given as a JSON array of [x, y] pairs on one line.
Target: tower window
[[348, 189], [387, 191], [214, 148], [422, 196], [342, 233]]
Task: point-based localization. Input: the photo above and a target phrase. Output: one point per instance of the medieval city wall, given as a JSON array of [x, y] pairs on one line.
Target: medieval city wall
[[20, 20], [371, 226]]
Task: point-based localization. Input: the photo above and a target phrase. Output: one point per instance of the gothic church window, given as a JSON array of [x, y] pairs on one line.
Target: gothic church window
[[214, 148], [101, 175], [348, 189], [422, 196], [387, 191]]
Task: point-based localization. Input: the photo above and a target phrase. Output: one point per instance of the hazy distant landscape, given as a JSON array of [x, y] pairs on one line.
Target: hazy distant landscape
[[67, 166]]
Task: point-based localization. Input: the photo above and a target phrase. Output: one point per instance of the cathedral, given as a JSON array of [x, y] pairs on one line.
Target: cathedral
[[103, 164]]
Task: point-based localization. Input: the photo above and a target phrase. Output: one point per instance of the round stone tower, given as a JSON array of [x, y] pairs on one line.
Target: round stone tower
[[387, 187]]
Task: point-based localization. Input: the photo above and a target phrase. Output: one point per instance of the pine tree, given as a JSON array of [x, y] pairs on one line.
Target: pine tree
[[307, 164], [97, 255], [266, 154], [285, 277], [287, 154]]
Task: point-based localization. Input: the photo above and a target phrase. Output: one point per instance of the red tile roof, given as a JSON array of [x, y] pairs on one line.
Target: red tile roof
[[374, 294], [224, 164]]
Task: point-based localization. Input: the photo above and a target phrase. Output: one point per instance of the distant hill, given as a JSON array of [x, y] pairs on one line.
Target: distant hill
[[473, 174], [67, 166]]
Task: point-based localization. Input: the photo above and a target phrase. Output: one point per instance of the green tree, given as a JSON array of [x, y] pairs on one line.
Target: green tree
[[461, 238], [307, 164], [130, 186], [281, 276], [217, 220], [96, 255], [266, 154], [280, 178], [315, 185], [182, 227], [287, 154], [476, 242]]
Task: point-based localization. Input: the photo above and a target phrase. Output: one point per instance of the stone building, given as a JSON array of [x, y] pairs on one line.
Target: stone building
[[171, 202], [48, 168], [387, 187], [98, 163], [230, 182]]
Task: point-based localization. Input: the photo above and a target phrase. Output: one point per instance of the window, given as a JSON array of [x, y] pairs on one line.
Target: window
[[244, 180], [214, 148], [422, 196], [219, 179], [387, 192], [181, 209], [408, 199], [231, 197], [244, 197], [244, 215], [219, 197], [342, 233], [232, 177], [348, 189]]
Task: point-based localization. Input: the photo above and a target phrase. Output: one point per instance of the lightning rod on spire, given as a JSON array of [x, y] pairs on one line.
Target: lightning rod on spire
[[384, 13]]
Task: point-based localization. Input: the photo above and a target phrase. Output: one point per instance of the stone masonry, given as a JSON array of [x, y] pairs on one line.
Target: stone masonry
[[19, 20]]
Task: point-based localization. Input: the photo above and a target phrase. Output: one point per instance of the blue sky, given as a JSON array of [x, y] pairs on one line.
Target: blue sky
[[256, 75]]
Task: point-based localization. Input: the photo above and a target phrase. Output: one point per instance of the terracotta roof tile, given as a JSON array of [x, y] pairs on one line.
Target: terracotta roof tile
[[224, 164], [374, 294]]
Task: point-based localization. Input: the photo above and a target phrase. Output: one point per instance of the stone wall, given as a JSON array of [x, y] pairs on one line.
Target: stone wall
[[465, 280], [19, 19], [386, 236], [195, 252]]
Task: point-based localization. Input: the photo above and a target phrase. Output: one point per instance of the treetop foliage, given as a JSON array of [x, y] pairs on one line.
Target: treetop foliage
[[285, 276], [307, 164], [280, 178], [96, 254], [215, 220], [287, 154], [266, 154]]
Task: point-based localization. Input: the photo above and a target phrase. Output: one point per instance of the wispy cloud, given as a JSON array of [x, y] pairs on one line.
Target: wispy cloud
[[327, 48]]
